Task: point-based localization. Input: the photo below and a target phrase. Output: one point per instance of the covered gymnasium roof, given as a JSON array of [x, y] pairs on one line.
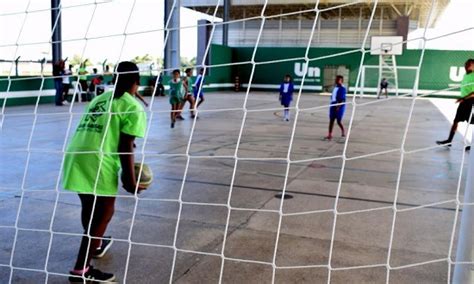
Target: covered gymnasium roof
[[417, 10]]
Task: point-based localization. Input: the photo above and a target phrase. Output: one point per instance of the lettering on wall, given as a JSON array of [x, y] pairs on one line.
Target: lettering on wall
[[456, 73], [311, 72]]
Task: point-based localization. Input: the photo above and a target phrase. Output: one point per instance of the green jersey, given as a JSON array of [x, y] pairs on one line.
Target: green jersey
[[82, 70], [91, 163], [190, 82], [176, 88], [467, 85]]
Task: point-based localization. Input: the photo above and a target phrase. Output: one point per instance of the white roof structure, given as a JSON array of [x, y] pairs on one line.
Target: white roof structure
[[417, 10]]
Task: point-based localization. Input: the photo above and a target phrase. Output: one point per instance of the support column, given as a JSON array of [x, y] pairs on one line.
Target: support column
[[172, 53], [225, 26], [56, 30], [463, 272], [403, 26], [203, 38]]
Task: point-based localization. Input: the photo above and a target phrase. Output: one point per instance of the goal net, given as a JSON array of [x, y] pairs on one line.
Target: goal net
[[401, 84], [246, 189]]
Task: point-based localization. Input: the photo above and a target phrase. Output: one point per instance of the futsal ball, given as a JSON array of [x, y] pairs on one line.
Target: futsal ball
[[146, 176]]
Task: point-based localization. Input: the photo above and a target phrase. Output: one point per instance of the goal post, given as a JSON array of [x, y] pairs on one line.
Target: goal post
[[463, 267], [370, 82]]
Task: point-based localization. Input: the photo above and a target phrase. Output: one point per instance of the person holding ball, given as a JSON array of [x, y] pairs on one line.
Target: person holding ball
[[102, 146]]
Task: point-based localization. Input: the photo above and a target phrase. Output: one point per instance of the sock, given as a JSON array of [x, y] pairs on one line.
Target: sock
[[81, 271], [287, 114], [451, 136]]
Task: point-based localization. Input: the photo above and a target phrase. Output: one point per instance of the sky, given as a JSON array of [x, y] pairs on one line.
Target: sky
[[457, 16], [108, 23], [105, 23]]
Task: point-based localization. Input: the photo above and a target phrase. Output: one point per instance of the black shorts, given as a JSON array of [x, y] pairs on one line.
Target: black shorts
[[464, 111]]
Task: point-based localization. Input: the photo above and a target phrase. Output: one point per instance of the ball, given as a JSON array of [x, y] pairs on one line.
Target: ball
[[144, 179]]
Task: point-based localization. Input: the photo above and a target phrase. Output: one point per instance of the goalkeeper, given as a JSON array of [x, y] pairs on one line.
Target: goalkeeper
[[465, 102], [101, 145]]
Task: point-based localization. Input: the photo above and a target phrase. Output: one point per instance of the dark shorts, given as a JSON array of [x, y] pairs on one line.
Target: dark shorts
[[285, 101], [335, 113], [464, 111], [200, 94]]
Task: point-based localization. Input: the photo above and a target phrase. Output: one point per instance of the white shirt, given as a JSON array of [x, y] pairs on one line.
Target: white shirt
[[66, 77], [285, 87]]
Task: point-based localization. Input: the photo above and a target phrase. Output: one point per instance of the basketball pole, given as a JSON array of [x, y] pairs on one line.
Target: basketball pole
[[462, 271]]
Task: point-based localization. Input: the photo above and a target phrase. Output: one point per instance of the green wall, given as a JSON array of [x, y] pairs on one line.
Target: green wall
[[221, 74], [438, 71], [434, 75]]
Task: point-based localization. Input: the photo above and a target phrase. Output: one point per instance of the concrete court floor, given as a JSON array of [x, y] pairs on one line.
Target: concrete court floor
[[361, 238]]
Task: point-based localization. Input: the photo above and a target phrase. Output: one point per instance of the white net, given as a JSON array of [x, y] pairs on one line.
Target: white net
[[381, 204]]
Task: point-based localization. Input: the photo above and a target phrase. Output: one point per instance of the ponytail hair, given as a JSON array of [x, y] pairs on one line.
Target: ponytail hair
[[125, 76]]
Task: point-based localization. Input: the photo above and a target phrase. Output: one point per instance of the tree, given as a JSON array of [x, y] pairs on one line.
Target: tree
[[77, 60], [147, 58], [185, 62]]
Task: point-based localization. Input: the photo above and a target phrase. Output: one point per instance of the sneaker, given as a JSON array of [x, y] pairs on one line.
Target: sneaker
[[468, 148], [104, 247], [65, 102], [445, 143], [287, 119], [92, 275], [180, 117]]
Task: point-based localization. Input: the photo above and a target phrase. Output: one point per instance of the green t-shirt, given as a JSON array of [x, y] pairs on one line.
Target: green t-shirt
[[467, 84], [190, 84], [96, 138], [176, 89], [82, 70]]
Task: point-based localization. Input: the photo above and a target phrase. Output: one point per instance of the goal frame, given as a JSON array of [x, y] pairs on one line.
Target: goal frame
[[363, 90]]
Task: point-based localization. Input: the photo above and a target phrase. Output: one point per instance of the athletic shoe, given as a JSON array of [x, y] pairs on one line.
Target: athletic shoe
[[287, 119], [92, 275], [445, 143], [468, 148], [104, 247], [180, 117], [65, 102]]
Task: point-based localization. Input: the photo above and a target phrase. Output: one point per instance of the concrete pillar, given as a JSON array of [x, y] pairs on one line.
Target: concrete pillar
[[56, 30], [225, 26], [172, 33], [203, 38], [403, 26]]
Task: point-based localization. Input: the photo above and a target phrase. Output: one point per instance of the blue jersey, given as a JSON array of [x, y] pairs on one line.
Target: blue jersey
[[286, 92], [198, 86], [338, 96]]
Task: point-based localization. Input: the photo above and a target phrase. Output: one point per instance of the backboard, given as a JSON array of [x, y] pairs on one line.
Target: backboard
[[386, 45]]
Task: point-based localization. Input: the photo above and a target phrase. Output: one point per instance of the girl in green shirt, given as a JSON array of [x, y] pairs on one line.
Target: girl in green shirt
[[100, 147], [176, 94], [465, 101]]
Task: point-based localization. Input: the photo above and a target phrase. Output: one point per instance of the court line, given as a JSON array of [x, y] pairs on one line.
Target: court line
[[313, 194]]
